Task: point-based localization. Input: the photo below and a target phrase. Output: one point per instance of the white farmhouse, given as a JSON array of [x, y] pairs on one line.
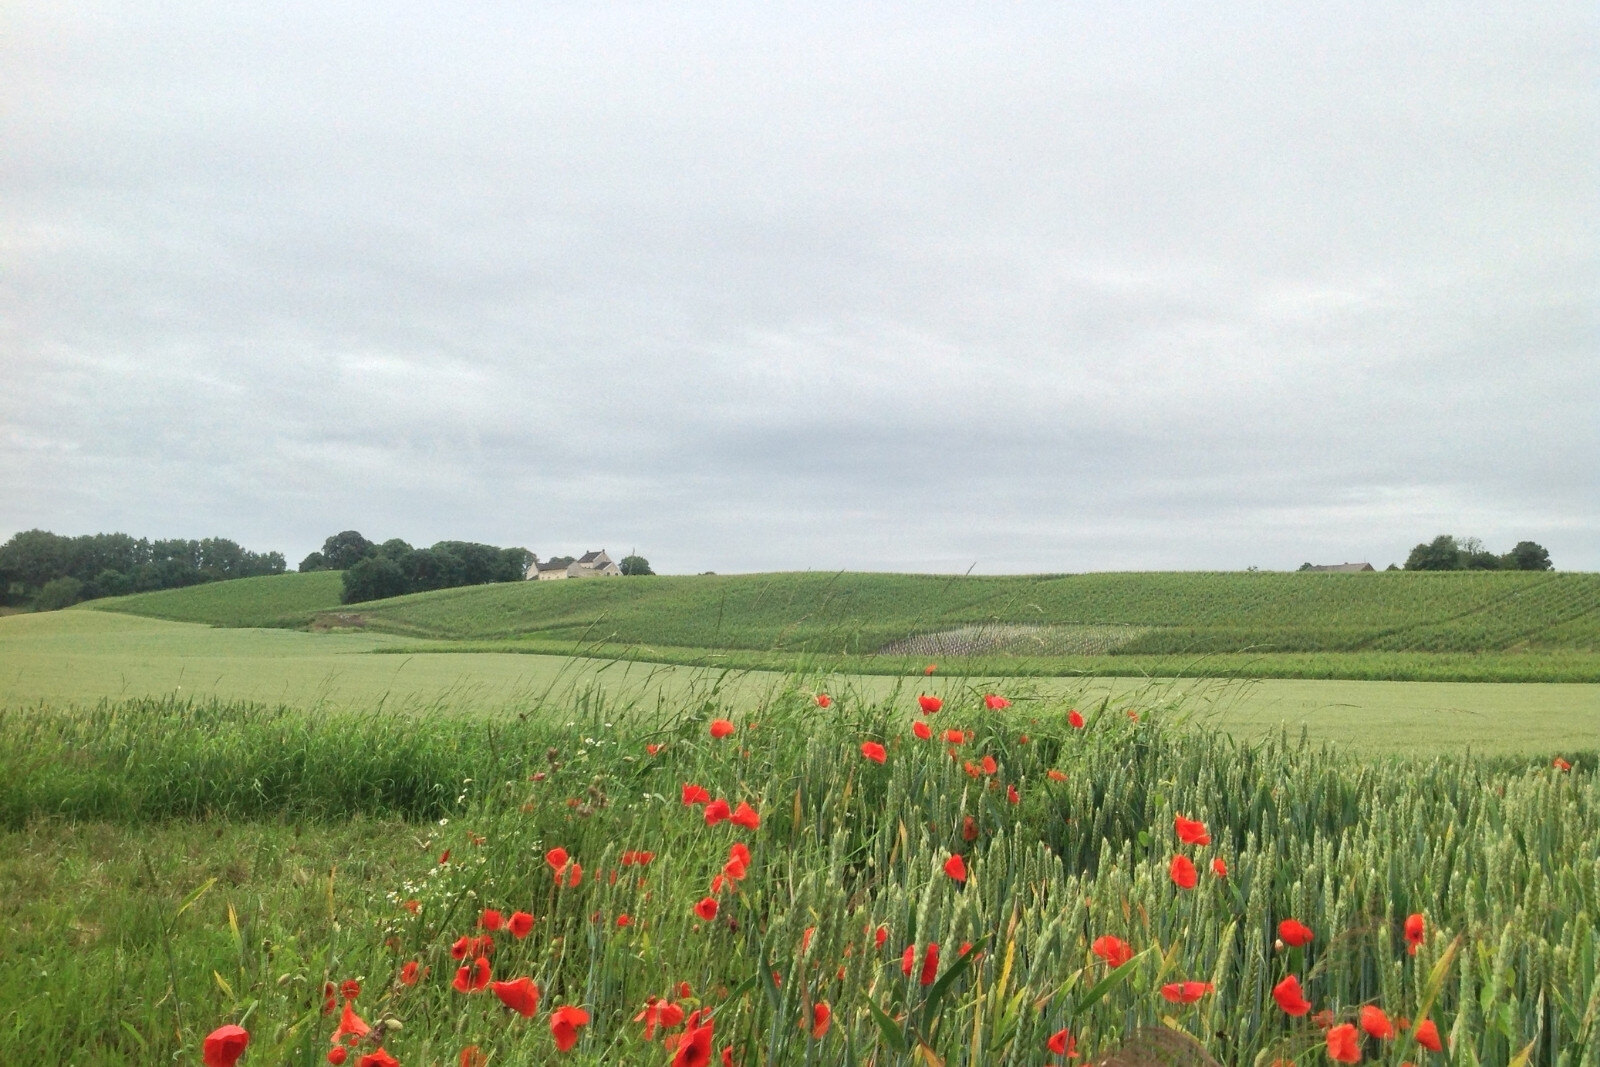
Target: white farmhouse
[[589, 565]]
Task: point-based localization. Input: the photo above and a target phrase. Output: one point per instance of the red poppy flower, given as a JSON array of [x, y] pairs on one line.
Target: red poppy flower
[[989, 765], [994, 702], [1220, 866], [1191, 831], [734, 870], [721, 728], [880, 936], [744, 815], [1062, 1043], [413, 905], [821, 1018], [521, 996], [694, 794], [1560, 764], [1022, 739], [717, 811], [1113, 950], [1427, 1036], [458, 951], [1343, 1045], [1295, 933], [330, 997], [1184, 876], [1414, 928], [929, 704], [1055, 775], [656, 1013], [908, 960], [351, 1026], [956, 868], [565, 1022], [1185, 992], [472, 979], [969, 828], [1012, 795], [707, 908], [557, 859], [694, 1048], [652, 749], [954, 737], [921, 729], [574, 874], [472, 1056], [491, 919], [408, 973], [1074, 719], [823, 700], [380, 1058], [930, 668], [874, 751], [224, 1045], [930, 964], [1376, 1023], [337, 1055], [520, 924], [1289, 997]]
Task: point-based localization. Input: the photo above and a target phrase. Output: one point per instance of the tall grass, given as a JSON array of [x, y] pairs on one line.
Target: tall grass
[[1501, 857]]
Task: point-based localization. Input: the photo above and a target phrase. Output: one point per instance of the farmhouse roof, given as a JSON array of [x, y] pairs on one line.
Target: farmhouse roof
[[1350, 568], [590, 557]]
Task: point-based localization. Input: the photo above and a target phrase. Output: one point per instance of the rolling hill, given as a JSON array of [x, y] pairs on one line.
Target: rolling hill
[[1131, 614]]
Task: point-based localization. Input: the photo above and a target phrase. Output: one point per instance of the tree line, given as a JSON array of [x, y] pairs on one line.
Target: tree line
[[48, 571], [375, 571], [1445, 553]]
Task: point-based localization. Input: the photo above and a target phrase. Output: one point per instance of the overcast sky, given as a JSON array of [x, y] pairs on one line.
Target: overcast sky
[[1021, 287]]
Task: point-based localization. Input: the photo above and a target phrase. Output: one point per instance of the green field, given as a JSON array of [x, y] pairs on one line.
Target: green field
[[1466, 626], [203, 825], [81, 657]]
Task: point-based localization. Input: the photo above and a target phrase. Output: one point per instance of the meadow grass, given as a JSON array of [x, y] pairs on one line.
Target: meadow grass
[[76, 659], [132, 938]]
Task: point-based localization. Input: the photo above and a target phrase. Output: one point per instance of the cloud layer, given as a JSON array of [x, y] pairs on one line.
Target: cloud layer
[[907, 288]]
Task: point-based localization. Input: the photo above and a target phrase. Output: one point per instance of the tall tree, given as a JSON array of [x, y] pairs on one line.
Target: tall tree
[[1528, 556], [345, 549], [1441, 554]]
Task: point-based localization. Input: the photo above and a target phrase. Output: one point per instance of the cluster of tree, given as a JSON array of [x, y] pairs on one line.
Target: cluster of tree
[[51, 571], [634, 566], [1445, 553], [394, 568]]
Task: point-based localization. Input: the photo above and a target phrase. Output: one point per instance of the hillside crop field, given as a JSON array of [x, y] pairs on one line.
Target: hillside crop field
[[1469, 626], [275, 600], [781, 883]]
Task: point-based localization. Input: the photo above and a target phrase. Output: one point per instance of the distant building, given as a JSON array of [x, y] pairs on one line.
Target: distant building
[[1345, 568], [588, 565]]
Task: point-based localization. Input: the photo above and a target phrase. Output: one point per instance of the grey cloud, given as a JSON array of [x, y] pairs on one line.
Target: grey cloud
[[1057, 288]]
